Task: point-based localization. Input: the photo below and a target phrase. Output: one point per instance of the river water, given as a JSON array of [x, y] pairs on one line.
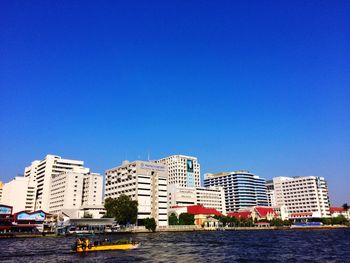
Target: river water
[[193, 247]]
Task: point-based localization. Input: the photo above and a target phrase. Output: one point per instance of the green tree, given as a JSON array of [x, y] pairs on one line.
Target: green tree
[[150, 224], [123, 209], [346, 207], [173, 220], [339, 220], [110, 206], [326, 221], [186, 219]]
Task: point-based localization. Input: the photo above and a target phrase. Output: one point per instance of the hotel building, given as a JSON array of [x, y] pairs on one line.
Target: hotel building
[[145, 182], [183, 170], [210, 197], [242, 189], [304, 197], [20, 194], [41, 173]]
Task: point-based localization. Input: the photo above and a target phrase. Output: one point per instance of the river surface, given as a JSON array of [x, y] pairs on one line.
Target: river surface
[[193, 247]]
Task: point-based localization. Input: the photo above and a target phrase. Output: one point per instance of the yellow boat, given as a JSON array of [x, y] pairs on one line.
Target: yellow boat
[[104, 246]]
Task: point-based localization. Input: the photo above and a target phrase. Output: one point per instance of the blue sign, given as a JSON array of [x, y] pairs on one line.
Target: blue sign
[[36, 216], [5, 210]]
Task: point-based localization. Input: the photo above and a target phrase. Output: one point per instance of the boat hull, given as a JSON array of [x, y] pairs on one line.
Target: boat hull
[[107, 247]]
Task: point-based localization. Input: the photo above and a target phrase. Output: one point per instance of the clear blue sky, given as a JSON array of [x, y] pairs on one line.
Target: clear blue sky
[[257, 85]]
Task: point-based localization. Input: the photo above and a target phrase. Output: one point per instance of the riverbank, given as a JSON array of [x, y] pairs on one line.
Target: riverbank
[[178, 229]]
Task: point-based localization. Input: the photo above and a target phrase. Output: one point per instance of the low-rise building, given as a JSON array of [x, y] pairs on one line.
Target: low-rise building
[[145, 182], [203, 216], [211, 197], [337, 211], [255, 213]]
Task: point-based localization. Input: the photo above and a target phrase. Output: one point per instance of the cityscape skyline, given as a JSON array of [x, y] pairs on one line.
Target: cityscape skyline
[[202, 175], [262, 87]]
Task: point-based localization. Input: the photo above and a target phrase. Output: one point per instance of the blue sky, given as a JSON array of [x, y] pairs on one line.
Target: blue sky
[[260, 85]]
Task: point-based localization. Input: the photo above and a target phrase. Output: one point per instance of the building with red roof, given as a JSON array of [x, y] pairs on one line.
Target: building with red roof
[[337, 211], [201, 214], [255, 212]]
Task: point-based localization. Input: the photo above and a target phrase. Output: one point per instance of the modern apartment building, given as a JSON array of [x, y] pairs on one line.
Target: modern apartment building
[[210, 197], [41, 173], [145, 182], [183, 170], [242, 189], [20, 194], [305, 196]]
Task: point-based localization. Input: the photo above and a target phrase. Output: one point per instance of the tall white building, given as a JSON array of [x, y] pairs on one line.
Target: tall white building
[[305, 196], [145, 182], [73, 189], [41, 173], [210, 197], [183, 170], [92, 190], [270, 191], [242, 189], [20, 194]]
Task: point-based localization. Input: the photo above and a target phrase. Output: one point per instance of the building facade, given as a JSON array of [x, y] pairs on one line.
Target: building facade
[[145, 182], [75, 188], [41, 173], [92, 189], [303, 196], [270, 191], [210, 197], [183, 170], [242, 189], [20, 194], [1, 186]]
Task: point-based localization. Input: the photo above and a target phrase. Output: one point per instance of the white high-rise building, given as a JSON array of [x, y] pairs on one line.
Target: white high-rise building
[[183, 170], [270, 191], [210, 197], [305, 196], [92, 190], [242, 189], [67, 190], [41, 173], [145, 182], [75, 188], [20, 194]]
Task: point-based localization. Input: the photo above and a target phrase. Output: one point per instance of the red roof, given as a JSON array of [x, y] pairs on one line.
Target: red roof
[[336, 209], [264, 210], [201, 210], [240, 214]]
